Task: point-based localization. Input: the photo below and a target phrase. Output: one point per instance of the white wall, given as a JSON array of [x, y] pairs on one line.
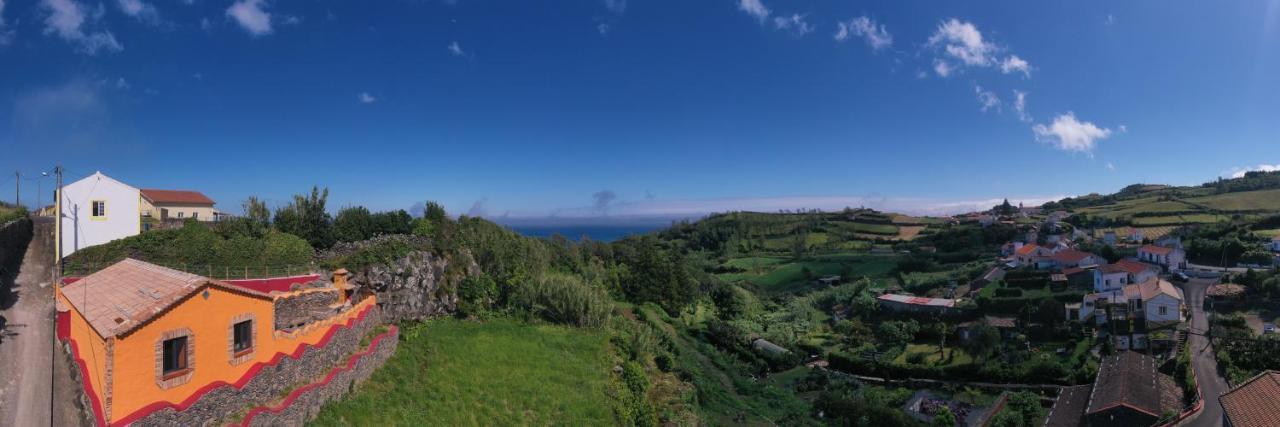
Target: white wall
[[80, 229], [1173, 309]]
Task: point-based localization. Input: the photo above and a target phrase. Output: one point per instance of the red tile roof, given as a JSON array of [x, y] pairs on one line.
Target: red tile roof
[[121, 298], [176, 196], [1158, 250], [1026, 249], [1071, 255], [1254, 403], [1133, 267]]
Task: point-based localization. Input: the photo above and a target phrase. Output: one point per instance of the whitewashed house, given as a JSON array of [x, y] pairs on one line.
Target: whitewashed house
[[1171, 258], [1110, 277], [98, 209], [1069, 258]]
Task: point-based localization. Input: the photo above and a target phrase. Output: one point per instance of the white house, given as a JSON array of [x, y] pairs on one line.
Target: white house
[[1035, 256], [98, 209], [1139, 272], [1275, 244], [1159, 255], [1161, 302], [1110, 277], [1069, 258]]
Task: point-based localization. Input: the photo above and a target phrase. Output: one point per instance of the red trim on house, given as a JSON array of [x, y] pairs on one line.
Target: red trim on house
[[64, 323], [248, 375], [288, 400]]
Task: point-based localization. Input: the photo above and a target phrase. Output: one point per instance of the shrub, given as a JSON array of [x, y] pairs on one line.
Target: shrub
[[565, 299]]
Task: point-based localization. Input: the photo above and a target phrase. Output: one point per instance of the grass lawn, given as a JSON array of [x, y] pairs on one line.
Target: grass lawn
[[959, 357], [1243, 201], [1267, 233], [1179, 219], [500, 372]]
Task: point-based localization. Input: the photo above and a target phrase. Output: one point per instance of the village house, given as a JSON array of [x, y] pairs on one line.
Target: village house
[[1007, 326], [1128, 391], [1033, 256], [1138, 272], [912, 304], [1131, 313], [1110, 277], [177, 204], [1256, 402], [1275, 244], [1169, 258], [97, 209], [1069, 258], [148, 338]]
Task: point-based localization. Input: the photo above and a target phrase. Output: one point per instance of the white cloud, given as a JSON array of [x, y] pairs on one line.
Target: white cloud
[[122, 84], [692, 208], [6, 36], [1015, 64], [1020, 105], [455, 49], [754, 8], [366, 98], [794, 23], [1239, 172], [987, 99], [1111, 167], [251, 16], [876, 36], [616, 6], [603, 28], [1111, 19], [144, 12], [1069, 134], [962, 40], [205, 24], [68, 21], [942, 67]]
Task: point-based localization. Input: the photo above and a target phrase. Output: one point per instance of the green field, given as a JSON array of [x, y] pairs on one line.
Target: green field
[[500, 372], [1178, 219], [1264, 200], [781, 275], [931, 356]]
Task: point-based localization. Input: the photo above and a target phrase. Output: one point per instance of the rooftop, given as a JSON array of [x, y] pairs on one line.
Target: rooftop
[[1126, 379], [1068, 410], [914, 300], [176, 196], [120, 298], [1158, 250], [1254, 403]]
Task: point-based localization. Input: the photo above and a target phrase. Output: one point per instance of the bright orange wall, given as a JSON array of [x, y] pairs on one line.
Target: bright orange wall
[[92, 348], [134, 380]]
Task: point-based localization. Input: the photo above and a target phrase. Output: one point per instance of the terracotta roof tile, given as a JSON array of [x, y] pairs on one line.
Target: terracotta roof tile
[[1158, 250], [1071, 255], [1026, 249], [176, 196], [1126, 379], [1254, 403], [124, 296]]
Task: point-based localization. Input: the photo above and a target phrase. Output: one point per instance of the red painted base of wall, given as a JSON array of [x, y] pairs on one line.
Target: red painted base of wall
[[64, 333]]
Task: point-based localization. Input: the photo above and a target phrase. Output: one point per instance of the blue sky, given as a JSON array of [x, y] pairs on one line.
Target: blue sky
[[633, 108]]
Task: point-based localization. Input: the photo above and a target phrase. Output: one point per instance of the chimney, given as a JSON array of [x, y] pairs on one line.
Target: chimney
[[340, 282]]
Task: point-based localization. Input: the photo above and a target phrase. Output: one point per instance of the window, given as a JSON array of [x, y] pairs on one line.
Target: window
[[179, 214], [175, 357], [195, 215], [1163, 310], [99, 209], [242, 337]]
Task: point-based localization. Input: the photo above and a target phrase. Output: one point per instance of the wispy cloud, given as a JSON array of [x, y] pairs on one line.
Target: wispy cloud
[[602, 200], [251, 16], [987, 99], [479, 208], [616, 6], [1070, 134], [795, 24], [962, 44], [693, 208], [141, 11], [68, 20], [6, 34], [456, 49], [366, 98], [754, 8], [876, 36], [1020, 105]]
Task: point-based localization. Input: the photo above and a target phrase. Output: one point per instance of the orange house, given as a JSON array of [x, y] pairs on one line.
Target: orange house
[[149, 337]]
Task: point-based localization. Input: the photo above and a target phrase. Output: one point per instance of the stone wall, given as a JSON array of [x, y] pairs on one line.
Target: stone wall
[[306, 405], [410, 288], [226, 403], [14, 237], [305, 307]]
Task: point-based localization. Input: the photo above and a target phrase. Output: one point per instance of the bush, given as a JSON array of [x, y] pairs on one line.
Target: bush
[[564, 299]]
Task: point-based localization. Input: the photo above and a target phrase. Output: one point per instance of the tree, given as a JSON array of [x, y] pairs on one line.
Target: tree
[[353, 224], [306, 217], [433, 218], [1022, 409], [1051, 312], [256, 210], [659, 276], [944, 418], [983, 339]]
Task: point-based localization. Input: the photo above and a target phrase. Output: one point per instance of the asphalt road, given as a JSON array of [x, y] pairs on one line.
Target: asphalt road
[[1203, 360]]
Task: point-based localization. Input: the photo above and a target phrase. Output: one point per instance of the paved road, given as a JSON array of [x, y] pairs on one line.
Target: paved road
[[1203, 360], [27, 367]]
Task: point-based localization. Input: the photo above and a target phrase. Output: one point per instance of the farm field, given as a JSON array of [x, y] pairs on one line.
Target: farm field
[[499, 372], [1178, 219], [1268, 200]]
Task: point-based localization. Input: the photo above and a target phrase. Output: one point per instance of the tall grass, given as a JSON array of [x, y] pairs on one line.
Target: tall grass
[[564, 298]]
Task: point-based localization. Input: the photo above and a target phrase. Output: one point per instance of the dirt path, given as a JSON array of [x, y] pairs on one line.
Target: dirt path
[[26, 344], [1203, 359]]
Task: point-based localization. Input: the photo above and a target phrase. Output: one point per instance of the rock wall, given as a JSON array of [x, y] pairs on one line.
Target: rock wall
[[306, 405], [272, 382], [14, 237], [299, 309], [413, 287]]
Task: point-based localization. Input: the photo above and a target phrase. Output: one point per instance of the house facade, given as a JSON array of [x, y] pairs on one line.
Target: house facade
[[149, 338], [1275, 244], [95, 210], [177, 204], [1169, 258], [1071, 258]]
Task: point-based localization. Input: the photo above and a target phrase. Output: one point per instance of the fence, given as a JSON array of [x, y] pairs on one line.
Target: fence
[[218, 272]]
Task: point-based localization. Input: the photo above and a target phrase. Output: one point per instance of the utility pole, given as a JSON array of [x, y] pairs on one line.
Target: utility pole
[[17, 188], [57, 224]]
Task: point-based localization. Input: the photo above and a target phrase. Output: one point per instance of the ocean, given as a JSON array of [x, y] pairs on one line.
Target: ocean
[[603, 233]]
